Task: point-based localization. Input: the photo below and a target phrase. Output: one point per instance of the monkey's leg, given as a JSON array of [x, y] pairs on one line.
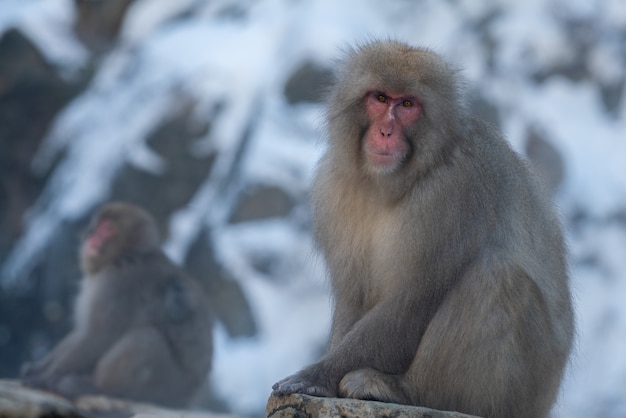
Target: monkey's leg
[[141, 366], [74, 355], [490, 349], [370, 384], [366, 383]]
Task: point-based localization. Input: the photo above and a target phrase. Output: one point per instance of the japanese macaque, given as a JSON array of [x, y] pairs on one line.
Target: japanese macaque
[[446, 259], [143, 328]]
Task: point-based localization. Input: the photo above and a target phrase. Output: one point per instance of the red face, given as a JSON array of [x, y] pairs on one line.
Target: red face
[[386, 145], [103, 231]]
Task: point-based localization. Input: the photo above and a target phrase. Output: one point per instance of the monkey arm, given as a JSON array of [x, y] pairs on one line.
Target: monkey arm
[[378, 340], [344, 317]]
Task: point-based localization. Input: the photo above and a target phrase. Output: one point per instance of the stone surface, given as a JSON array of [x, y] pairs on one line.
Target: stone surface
[[302, 406], [16, 401], [307, 84], [19, 401], [545, 158], [32, 93], [262, 202], [99, 22], [229, 302]]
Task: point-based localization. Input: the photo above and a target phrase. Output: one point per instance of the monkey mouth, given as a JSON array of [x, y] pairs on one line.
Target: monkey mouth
[[385, 160]]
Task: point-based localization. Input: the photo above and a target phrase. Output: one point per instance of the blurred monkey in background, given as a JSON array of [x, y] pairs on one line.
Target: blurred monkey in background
[[142, 327]]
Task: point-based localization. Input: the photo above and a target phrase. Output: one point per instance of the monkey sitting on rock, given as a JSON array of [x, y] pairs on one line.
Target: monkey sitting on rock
[[142, 327], [445, 256]]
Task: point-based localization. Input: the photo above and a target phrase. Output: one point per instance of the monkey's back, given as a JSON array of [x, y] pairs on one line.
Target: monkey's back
[[529, 229]]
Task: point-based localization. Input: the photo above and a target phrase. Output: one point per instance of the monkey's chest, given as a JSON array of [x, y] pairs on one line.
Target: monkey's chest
[[363, 255]]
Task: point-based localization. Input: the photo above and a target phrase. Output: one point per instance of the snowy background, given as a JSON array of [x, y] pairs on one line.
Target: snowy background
[[207, 113]]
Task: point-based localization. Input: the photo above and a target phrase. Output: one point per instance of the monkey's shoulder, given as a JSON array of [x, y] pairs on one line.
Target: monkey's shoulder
[[492, 149], [161, 290], [146, 269]]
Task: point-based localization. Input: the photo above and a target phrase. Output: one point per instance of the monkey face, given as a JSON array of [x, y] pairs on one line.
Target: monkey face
[[100, 244], [118, 230], [386, 145], [98, 238]]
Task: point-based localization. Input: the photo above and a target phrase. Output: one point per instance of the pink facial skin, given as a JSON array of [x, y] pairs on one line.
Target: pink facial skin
[[104, 230], [386, 146]]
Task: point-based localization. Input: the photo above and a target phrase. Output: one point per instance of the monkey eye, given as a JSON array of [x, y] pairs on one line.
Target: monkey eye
[[407, 103], [381, 98]]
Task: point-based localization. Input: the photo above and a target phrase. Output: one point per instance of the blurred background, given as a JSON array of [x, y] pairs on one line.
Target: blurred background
[[208, 114]]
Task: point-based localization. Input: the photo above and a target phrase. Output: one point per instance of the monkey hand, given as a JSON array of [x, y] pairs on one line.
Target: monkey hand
[[303, 383]]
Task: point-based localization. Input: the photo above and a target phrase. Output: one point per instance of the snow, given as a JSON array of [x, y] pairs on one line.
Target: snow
[[48, 24], [240, 62], [591, 143], [614, 12], [248, 368], [607, 63], [595, 384], [145, 16]]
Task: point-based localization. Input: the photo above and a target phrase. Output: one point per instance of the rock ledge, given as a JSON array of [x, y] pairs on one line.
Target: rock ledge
[[304, 406]]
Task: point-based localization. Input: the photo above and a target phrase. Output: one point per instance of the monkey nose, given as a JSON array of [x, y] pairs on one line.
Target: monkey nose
[[386, 131]]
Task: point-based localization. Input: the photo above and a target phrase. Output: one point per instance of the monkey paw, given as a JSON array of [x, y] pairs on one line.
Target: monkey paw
[[299, 384]]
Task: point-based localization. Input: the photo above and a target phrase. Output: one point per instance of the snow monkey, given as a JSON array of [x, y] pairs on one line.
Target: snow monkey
[[446, 259], [142, 327]]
